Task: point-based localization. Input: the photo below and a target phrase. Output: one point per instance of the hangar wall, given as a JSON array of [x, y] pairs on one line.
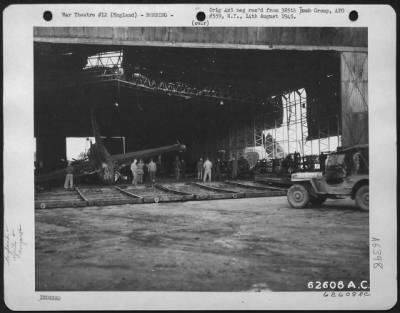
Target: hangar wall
[[354, 98], [296, 38]]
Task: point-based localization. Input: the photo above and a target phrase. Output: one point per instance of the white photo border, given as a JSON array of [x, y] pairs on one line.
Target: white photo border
[[19, 276]]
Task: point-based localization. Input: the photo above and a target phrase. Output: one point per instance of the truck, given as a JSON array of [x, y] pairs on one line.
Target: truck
[[345, 174]]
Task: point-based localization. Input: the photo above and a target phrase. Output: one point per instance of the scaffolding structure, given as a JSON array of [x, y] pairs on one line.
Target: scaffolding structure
[[292, 135]]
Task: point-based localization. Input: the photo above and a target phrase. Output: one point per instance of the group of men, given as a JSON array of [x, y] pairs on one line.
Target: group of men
[[292, 162], [205, 169], [137, 170]]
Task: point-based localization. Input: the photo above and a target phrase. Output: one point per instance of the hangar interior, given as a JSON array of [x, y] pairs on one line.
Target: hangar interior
[[269, 89], [211, 99]]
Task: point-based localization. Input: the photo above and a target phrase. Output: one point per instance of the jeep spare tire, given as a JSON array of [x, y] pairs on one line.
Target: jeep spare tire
[[362, 198], [298, 196]]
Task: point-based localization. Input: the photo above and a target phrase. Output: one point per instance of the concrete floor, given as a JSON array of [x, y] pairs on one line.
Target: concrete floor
[[222, 245]]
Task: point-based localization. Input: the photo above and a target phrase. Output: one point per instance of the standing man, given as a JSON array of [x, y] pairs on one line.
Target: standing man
[[134, 171], [207, 170], [152, 167], [140, 171], [177, 168], [69, 178], [200, 169], [234, 172]]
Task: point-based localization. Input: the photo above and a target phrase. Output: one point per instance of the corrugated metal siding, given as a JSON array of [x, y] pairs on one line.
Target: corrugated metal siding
[[298, 36], [354, 91]]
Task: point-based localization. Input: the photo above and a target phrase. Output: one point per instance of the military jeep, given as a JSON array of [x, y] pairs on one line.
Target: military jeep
[[346, 174]]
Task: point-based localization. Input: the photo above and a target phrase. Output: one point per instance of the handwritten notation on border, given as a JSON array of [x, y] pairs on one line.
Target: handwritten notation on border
[[13, 243]]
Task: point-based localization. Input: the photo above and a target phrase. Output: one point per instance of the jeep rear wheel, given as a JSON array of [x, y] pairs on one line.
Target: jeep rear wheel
[[298, 196], [362, 198]]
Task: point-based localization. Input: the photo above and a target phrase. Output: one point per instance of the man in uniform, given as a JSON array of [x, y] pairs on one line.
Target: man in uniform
[[69, 178], [207, 170], [152, 168], [200, 169], [177, 168], [134, 171]]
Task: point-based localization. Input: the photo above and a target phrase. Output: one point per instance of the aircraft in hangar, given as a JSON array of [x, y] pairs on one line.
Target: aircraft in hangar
[[100, 162]]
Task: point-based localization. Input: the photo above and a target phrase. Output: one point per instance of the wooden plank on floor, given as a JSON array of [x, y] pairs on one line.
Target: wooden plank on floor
[[104, 202], [59, 204], [204, 186], [253, 187], [273, 180], [233, 194], [170, 198], [61, 198], [274, 193], [81, 194], [187, 195], [116, 195], [128, 193]]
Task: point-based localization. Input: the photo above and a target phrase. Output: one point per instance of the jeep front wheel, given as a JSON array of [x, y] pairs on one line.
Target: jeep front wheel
[[298, 196], [362, 198]]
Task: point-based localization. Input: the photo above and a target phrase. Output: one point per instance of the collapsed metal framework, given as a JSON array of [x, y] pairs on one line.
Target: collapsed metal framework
[[107, 66], [178, 89], [105, 60], [284, 137]]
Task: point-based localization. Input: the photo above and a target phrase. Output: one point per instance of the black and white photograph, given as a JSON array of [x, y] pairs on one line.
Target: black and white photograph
[[217, 160], [201, 168]]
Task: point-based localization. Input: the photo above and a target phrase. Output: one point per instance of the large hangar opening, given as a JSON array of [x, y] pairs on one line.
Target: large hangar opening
[[261, 102], [219, 102]]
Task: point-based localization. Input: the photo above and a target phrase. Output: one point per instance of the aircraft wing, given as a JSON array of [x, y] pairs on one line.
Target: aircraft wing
[[80, 169], [127, 158], [119, 160]]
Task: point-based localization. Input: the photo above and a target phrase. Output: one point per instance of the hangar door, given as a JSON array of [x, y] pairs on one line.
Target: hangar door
[[354, 91]]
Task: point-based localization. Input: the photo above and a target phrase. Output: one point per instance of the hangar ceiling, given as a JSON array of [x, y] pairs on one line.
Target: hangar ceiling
[[61, 99]]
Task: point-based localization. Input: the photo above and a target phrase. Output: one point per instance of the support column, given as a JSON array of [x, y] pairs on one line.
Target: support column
[[354, 97]]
